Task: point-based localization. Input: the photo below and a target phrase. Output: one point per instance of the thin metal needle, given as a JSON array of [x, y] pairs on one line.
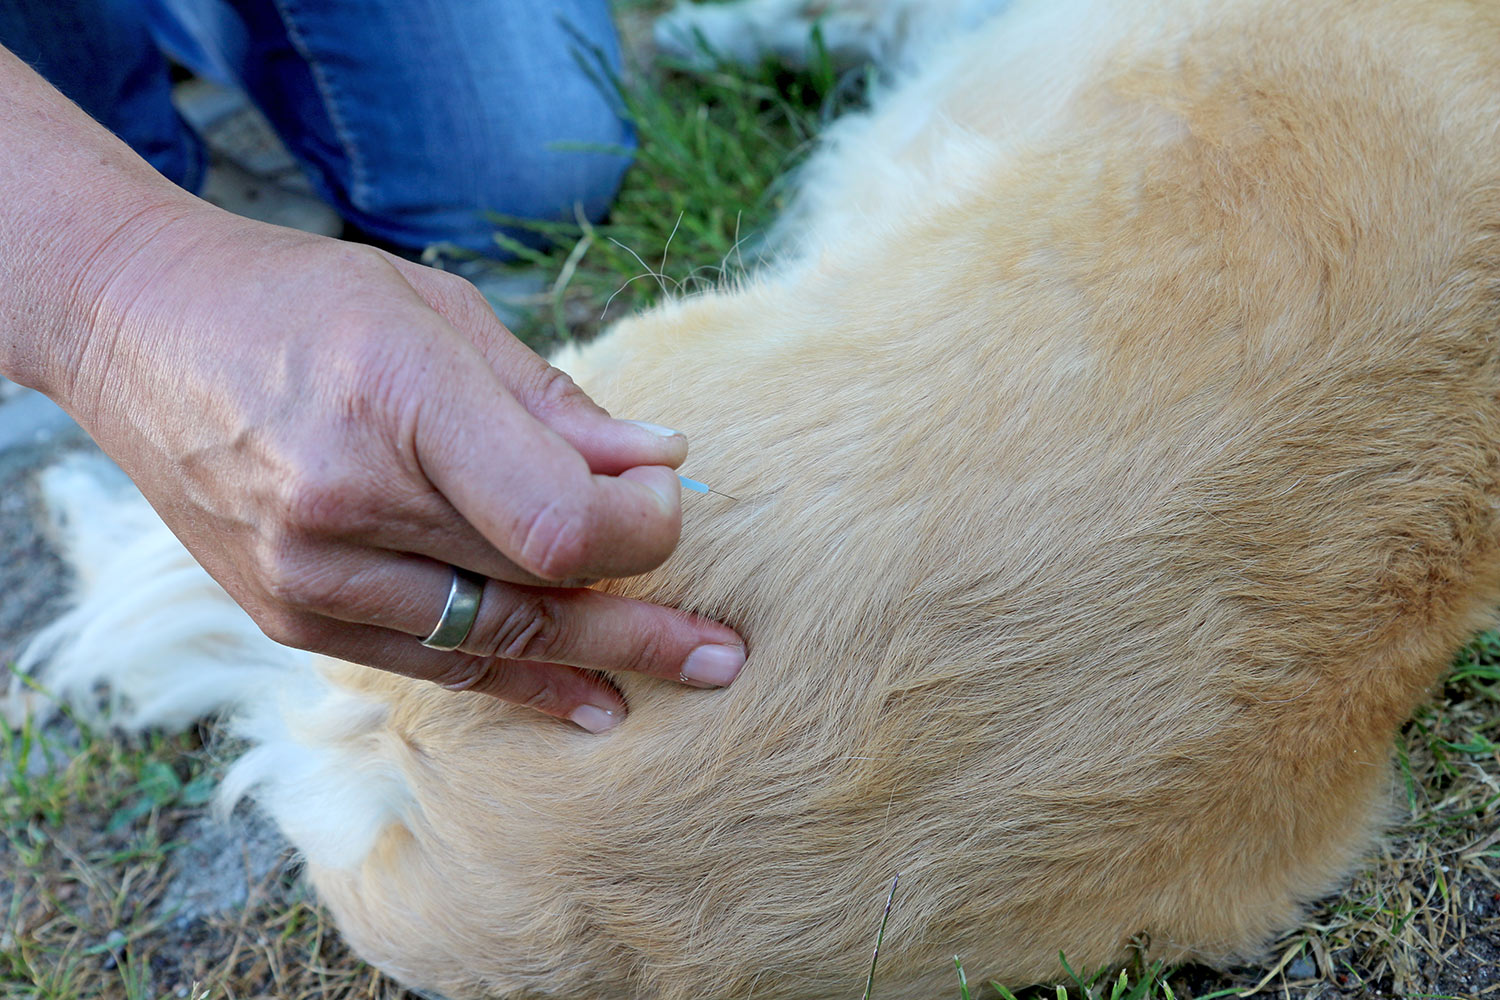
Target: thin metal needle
[[698, 487]]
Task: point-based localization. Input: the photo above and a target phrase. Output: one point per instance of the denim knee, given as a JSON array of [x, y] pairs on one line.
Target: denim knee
[[421, 123], [538, 181], [530, 128], [100, 54], [550, 162]]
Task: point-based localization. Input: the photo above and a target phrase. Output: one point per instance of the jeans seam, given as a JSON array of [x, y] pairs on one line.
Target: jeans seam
[[359, 184]]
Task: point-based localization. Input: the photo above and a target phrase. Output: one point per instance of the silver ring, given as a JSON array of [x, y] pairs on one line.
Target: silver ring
[[459, 613]]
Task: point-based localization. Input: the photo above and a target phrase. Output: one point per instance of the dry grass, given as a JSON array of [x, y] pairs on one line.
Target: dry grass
[[93, 840], [91, 856], [94, 828]]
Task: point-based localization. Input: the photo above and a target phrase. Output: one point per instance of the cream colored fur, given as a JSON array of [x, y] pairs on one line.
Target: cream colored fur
[[1117, 454]]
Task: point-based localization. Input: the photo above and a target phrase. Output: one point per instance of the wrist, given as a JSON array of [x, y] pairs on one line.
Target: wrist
[[74, 203], [82, 278]]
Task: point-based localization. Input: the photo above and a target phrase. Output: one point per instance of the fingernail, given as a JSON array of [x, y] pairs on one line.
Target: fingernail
[[656, 429], [595, 719], [715, 665]]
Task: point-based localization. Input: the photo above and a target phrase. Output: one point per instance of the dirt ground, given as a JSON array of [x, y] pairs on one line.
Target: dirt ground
[[219, 863], [221, 910], [1423, 919], [32, 580]]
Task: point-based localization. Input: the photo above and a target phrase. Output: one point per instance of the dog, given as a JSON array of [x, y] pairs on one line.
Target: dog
[[1116, 440]]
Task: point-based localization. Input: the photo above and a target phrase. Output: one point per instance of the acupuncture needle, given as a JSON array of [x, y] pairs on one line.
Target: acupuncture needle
[[698, 487]]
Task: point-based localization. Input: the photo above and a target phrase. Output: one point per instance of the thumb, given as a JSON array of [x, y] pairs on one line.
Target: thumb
[[609, 446], [530, 493]]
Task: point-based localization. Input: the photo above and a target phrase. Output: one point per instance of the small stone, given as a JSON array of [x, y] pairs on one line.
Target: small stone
[[1302, 967], [218, 863]]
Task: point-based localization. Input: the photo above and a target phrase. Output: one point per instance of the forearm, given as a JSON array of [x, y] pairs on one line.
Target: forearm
[[75, 202]]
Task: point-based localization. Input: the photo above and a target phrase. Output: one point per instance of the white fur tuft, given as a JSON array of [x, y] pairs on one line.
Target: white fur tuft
[[154, 632], [323, 765], [148, 623]]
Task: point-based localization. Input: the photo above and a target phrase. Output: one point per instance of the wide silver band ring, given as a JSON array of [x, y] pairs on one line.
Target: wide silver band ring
[[459, 613]]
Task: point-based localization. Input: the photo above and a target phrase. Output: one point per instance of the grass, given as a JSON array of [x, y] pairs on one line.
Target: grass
[[92, 832], [96, 829], [710, 176], [85, 847]]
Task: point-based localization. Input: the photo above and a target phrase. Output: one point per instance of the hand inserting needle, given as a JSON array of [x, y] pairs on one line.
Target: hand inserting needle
[[698, 487]]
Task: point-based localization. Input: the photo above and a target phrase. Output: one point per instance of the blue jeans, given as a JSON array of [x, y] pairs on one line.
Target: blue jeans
[[417, 119]]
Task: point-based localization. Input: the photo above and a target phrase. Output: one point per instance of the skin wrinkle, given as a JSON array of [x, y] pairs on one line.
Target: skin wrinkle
[[107, 308], [525, 632]]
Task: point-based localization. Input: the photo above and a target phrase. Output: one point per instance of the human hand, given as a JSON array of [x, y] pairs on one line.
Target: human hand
[[329, 429]]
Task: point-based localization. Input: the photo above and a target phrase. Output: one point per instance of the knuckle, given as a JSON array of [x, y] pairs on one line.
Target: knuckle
[[546, 699], [463, 673], [452, 295], [556, 390], [528, 629], [283, 572], [296, 581], [555, 544], [358, 262], [288, 628], [320, 502], [647, 655], [465, 295]]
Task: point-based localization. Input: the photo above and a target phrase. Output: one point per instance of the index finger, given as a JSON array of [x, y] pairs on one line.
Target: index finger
[[547, 393]]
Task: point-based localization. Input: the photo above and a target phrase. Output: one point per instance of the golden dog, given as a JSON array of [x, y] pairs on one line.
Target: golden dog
[[1117, 446]]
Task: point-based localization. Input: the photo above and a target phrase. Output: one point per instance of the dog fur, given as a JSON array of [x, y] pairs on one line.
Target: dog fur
[[1117, 448], [888, 33]]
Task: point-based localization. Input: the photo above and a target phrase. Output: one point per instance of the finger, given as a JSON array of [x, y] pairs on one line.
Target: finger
[[609, 446], [531, 495], [576, 627], [585, 699], [550, 394], [465, 440], [426, 524], [407, 515]]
